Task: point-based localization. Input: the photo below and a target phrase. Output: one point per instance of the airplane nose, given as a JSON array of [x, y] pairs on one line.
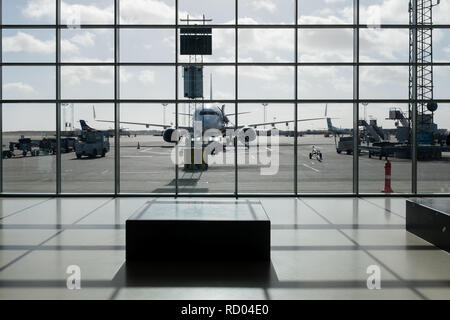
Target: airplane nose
[[210, 123]]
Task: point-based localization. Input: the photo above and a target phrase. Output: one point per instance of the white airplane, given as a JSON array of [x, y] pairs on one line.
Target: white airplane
[[211, 117]]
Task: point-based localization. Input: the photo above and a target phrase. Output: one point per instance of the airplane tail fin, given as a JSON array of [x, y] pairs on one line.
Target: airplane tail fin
[[84, 126], [330, 125]]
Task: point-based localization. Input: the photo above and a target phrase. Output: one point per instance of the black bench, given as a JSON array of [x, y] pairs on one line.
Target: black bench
[[196, 230], [430, 219]]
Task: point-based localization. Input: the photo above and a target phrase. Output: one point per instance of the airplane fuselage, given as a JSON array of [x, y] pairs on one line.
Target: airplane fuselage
[[211, 117]]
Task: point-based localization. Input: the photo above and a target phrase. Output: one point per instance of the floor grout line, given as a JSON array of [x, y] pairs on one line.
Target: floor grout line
[[90, 212], [390, 211], [29, 207]]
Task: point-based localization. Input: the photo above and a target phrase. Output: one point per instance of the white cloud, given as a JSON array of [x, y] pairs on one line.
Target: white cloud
[[269, 43], [24, 42], [97, 74], [146, 12], [146, 77], [71, 13], [38, 9], [267, 5], [389, 11], [69, 48], [84, 39], [41, 9], [381, 75], [19, 87]]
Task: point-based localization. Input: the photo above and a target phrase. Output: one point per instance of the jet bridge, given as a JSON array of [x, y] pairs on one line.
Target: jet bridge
[[374, 132]]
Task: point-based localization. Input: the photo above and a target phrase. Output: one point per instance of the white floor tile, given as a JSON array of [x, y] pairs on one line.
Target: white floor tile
[[192, 293], [52, 265], [301, 237], [342, 294], [324, 265], [416, 264]]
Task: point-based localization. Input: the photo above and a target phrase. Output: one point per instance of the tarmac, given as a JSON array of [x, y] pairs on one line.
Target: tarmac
[[150, 169]]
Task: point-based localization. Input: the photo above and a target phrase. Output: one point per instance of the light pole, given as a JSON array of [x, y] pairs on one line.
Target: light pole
[[265, 113], [365, 110], [164, 113]]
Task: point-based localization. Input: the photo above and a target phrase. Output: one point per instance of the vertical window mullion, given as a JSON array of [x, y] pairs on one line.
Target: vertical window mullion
[[413, 103], [236, 96], [58, 96], [1, 97], [116, 98], [176, 95], [296, 104], [355, 97]]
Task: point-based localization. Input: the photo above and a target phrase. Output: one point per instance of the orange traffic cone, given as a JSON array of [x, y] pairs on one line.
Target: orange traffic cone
[[139, 146]]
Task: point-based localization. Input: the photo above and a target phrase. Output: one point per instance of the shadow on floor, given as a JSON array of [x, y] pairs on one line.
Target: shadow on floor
[[196, 274]]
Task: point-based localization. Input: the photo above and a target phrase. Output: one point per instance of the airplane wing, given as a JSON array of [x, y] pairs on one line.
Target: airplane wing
[[272, 123], [147, 124]]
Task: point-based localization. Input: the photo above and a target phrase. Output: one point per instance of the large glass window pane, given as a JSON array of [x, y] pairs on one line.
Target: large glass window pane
[[209, 126], [266, 148], [384, 135], [147, 82], [433, 173], [147, 12], [266, 12], [266, 45], [220, 77], [440, 13], [147, 45], [87, 155], [258, 82], [27, 166], [441, 80], [384, 82], [87, 45], [28, 12], [76, 12], [220, 11], [376, 12], [325, 45], [223, 48], [87, 82], [146, 164], [325, 82], [325, 148], [441, 45], [384, 45], [28, 82], [28, 45], [336, 12]]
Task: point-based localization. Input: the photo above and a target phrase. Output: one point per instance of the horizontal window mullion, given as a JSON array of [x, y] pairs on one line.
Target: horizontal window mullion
[[169, 64], [223, 26], [171, 101]]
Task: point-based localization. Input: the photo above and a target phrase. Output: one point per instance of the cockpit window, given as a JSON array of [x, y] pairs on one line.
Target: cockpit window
[[208, 113]]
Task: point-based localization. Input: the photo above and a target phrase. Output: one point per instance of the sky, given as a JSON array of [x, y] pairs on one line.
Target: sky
[[255, 45]]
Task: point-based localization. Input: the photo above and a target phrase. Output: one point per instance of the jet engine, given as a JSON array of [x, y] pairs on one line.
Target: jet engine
[[169, 136], [246, 135]]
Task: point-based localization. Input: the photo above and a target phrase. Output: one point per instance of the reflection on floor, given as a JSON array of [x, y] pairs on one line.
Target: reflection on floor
[[321, 249]]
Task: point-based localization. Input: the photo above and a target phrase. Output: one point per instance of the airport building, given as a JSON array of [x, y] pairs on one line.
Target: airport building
[[233, 149]]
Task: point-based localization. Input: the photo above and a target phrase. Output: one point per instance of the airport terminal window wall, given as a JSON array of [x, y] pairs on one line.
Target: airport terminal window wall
[[288, 65]]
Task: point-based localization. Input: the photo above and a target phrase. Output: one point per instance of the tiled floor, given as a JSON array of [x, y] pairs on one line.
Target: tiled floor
[[321, 249]]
